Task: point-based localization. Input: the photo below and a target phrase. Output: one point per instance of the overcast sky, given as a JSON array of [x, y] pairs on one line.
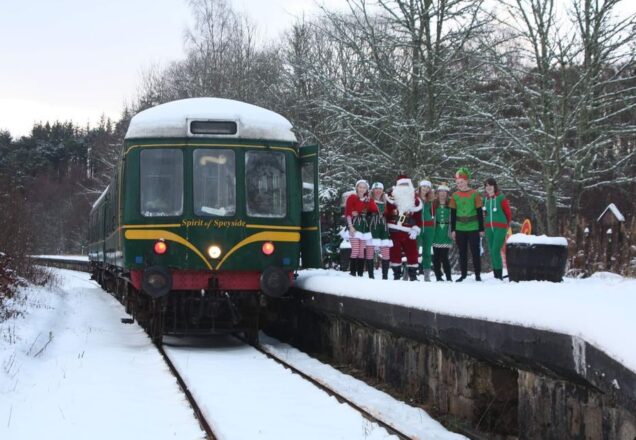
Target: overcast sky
[[79, 59]]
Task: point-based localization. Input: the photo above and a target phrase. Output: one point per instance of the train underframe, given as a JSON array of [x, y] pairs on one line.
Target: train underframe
[[192, 312]]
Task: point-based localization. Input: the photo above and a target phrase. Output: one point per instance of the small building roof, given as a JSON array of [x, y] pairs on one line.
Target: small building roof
[[612, 207], [172, 120]]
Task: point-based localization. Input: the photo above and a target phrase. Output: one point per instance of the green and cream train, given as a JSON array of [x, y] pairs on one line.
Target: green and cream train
[[212, 204]]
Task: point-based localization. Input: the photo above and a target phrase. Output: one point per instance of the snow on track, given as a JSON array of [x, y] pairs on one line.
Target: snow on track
[[92, 378], [412, 421], [245, 395]]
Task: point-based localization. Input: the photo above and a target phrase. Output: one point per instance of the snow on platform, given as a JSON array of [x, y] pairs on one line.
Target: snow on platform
[[63, 257], [71, 370], [599, 309]]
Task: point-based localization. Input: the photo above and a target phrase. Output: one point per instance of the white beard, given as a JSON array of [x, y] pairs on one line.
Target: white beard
[[404, 197]]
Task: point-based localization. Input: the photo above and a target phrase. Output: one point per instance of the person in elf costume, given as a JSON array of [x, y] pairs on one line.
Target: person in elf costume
[[358, 209], [379, 230], [442, 241], [497, 217], [467, 223], [404, 219], [425, 239]]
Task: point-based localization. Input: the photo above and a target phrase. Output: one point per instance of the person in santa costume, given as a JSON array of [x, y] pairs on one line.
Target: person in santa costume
[[358, 210], [425, 239], [379, 230], [467, 223], [403, 213], [497, 219]]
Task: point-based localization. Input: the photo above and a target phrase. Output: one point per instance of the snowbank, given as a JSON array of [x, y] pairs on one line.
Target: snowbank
[[71, 370], [537, 239]]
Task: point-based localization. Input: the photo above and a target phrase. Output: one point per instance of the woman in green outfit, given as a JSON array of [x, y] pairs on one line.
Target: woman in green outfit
[[497, 217], [442, 241], [425, 239], [379, 230]]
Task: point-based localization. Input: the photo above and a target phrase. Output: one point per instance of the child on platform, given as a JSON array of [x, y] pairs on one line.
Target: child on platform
[[425, 239], [442, 241], [379, 230]]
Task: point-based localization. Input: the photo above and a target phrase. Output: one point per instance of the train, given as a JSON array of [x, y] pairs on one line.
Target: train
[[212, 208]]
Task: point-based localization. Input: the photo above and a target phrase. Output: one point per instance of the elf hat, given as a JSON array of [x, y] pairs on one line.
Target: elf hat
[[425, 183], [377, 185], [443, 187], [463, 173]]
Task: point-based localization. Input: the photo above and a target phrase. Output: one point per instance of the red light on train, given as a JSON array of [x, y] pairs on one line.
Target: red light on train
[[160, 247], [268, 248]]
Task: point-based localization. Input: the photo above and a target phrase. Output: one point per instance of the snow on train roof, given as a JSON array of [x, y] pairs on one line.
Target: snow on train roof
[[172, 119]]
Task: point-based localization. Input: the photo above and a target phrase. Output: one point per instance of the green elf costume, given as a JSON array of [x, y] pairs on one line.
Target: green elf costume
[[425, 239], [467, 222], [497, 217], [442, 241]]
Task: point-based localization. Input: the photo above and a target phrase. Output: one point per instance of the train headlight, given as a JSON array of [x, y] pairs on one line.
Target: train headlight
[[214, 251], [268, 248], [160, 247]]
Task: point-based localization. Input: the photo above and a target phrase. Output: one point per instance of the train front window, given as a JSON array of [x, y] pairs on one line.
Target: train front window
[[265, 184], [161, 182], [214, 182]]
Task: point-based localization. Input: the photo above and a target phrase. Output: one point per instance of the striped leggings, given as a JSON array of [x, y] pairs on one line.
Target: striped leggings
[[359, 248]]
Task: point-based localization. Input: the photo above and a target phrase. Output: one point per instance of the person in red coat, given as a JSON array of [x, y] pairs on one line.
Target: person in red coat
[[403, 213], [358, 208]]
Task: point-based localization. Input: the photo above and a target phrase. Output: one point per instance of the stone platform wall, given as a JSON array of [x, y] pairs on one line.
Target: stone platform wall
[[483, 381]]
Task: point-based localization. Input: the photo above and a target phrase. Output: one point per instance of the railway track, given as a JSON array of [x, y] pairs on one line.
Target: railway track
[[184, 387], [341, 398]]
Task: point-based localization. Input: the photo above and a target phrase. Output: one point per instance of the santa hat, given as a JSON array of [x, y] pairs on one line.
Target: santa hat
[[463, 173], [402, 179], [377, 185], [362, 181], [443, 187], [425, 183]]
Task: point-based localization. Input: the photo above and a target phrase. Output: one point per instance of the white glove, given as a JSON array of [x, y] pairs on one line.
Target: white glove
[[415, 231]]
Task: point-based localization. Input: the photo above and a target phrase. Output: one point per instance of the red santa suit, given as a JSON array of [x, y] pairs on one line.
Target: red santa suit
[[404, 220]]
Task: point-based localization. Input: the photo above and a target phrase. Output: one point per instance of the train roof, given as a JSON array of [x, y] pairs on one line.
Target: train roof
[[173, 119]]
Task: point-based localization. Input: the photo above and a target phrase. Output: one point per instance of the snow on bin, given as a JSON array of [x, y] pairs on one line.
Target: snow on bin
[[531, 257]]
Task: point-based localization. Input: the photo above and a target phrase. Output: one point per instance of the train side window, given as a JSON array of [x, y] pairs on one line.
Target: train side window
[[266, 184], [307, 176], [161, 182], [214, 182]]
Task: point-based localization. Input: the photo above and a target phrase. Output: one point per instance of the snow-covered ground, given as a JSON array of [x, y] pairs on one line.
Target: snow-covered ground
[[64, 257], [71, 370], [412, 421], [599, 309]]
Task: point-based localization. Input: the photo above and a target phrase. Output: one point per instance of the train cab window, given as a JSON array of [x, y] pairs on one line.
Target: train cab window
[[307, 176], [214, 182], [161, 182], [265, 184]]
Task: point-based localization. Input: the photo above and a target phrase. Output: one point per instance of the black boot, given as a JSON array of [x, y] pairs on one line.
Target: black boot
[[385, 269], [370, 268], [498, 274], [397, 272], [353, 265], [477, 277], [460, 279], [360, 267], [412, 273]]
